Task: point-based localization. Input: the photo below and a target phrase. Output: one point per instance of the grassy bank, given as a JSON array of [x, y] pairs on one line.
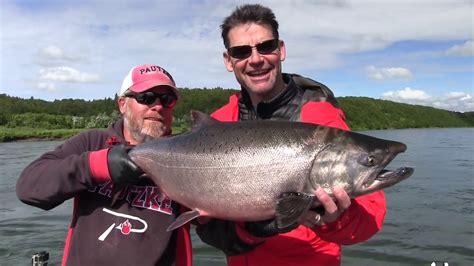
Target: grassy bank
[[24, 133], [29, 134]]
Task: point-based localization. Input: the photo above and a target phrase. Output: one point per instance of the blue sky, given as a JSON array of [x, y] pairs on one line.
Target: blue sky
[[412, 51]]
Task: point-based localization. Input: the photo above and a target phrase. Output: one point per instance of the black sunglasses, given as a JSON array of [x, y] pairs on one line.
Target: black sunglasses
[[167, 100], [244, 51]]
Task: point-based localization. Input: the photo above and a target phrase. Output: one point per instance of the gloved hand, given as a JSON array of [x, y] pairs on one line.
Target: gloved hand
[[267, 228], [122, 169]]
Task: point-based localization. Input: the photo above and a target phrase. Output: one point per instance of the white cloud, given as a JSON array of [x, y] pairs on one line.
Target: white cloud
[[453, 101], [465, 49], [462, 96], [374, 73], [52, 55], [66, 74], [388, 73], [407, 94], [53, 52], [357, 24], [46, 86], [97, 37]]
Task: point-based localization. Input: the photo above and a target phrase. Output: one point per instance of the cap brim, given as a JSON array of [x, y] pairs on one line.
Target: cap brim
[[146, 85]]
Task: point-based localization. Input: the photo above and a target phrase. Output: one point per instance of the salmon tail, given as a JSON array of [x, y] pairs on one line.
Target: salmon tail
[[290, 207]]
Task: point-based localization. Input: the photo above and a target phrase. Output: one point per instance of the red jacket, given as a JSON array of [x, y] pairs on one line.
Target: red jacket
[[319, 245]]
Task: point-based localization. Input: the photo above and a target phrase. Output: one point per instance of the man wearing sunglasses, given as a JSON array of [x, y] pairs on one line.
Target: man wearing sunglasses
[[120, 216], [254, 52]]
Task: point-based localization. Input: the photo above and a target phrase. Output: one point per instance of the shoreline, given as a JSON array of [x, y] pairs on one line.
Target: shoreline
[[32, 139], [21, 134], [38, 139]]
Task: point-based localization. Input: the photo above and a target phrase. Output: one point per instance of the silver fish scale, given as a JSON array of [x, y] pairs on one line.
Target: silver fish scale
[[221, 166]]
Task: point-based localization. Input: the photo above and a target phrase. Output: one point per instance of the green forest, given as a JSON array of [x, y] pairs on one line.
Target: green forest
[[35, 118]]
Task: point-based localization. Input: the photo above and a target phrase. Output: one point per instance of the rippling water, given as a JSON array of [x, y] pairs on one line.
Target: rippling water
[[430, 216]]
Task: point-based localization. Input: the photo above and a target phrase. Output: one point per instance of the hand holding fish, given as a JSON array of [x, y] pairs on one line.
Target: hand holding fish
[[122, 169], [333, 208]]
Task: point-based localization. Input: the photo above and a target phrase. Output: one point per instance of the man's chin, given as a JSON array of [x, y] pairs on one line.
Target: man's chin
[[259, 88], [153, 132]]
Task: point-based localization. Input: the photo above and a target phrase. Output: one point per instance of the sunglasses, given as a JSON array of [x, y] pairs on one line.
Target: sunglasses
[[167, 100], [244, 51]]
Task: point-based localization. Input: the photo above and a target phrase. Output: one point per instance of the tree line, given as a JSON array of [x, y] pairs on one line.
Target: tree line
[[362, 113]]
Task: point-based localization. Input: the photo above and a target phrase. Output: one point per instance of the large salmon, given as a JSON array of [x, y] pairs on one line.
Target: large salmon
[[256, 170]]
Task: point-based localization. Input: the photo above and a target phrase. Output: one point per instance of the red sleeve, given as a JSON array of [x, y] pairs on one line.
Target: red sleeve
[[98, 165], [61, 174], [366, 214], [184, 251], [358, 223]]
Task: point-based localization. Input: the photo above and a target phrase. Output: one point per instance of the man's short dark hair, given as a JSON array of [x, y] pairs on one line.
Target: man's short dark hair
[[244, 14]]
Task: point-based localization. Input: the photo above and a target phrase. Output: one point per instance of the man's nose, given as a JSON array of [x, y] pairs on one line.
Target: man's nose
[[255, 56], [156, 104]]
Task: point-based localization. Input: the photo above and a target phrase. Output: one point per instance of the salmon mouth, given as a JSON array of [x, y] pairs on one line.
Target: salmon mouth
[[386, 178], [400, 173]]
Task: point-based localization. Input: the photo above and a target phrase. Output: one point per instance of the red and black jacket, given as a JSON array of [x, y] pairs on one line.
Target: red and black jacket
[[132, 232], [308, 101]]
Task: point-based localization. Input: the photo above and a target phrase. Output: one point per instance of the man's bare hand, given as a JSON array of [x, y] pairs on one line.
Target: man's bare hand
[[333, 208]]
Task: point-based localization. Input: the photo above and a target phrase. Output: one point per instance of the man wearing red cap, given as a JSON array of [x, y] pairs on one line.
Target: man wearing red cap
[[88, 166]]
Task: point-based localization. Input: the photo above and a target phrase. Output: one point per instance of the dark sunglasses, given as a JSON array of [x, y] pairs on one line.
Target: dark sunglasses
[[244, 51], [167, 100]]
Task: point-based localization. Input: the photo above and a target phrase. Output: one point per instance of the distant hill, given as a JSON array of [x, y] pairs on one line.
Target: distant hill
[[367, 113], [362, 113]]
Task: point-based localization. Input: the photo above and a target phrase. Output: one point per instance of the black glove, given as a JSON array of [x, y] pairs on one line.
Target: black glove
[[122, 169], [267, 228]]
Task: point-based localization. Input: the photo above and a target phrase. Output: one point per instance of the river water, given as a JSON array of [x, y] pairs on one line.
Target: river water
[[430, 215]]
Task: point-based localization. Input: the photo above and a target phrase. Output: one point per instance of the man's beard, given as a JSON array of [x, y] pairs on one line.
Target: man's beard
[[141, 131]]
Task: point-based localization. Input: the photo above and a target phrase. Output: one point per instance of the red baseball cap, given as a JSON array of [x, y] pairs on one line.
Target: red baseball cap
[[144, 77]]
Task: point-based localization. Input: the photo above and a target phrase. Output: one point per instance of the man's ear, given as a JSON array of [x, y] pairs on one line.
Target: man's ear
[[122, 102], [228, 62], [282, 48]]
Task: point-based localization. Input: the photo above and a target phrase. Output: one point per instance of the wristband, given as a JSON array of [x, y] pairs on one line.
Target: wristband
[[98, 165]]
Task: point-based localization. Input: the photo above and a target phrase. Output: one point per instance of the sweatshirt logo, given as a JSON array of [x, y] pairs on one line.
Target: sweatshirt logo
[[144, 197], [125, 227]]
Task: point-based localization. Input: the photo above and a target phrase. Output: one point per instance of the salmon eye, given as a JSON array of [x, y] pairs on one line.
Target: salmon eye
[[368, 160]]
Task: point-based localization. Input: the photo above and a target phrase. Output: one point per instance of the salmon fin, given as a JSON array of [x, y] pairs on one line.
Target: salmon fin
[[183, 219], [290, 207], [200, 119]]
